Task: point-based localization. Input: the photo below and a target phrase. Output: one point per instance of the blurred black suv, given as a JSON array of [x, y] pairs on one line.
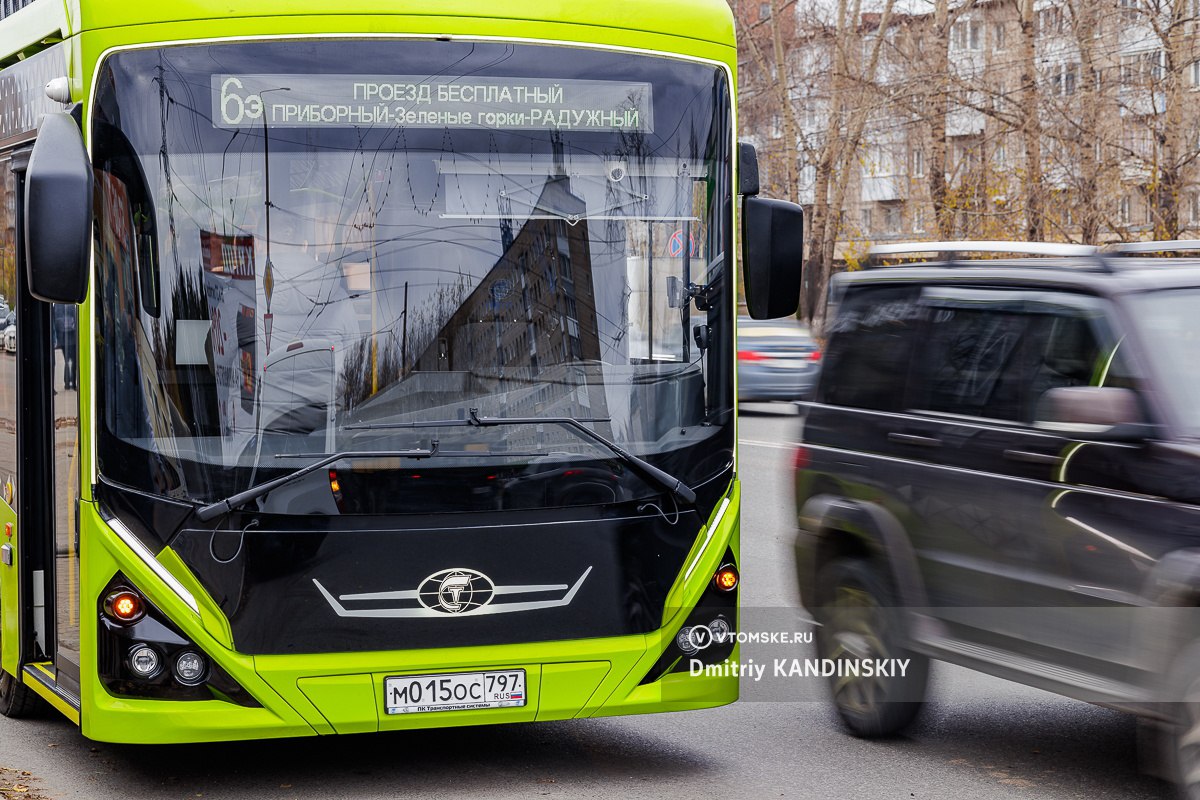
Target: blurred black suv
[[1001, 469]]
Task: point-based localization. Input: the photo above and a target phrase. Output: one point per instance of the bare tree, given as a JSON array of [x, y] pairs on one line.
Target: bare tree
[[1170, 156], [852, 101], [766, 91], [1079, 124]]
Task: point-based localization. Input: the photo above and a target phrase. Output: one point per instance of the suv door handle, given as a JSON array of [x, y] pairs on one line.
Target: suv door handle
[[1027, 457], [918, 441]]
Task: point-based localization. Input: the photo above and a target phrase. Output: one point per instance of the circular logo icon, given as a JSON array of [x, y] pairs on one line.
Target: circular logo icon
[[456, 591], [700, 637]]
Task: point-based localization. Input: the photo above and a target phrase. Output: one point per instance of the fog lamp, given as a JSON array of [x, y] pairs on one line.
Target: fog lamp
[[144, 660], [685, 642], [190, 668], [720, 630]]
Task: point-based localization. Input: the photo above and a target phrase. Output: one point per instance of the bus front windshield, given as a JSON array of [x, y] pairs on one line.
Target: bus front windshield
[[316, 247]]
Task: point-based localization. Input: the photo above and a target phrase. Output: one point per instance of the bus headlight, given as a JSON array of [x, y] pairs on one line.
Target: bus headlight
[[144, 660]]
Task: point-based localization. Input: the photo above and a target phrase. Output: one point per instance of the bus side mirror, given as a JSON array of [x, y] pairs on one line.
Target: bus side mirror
[[772, 256], [58, 212]]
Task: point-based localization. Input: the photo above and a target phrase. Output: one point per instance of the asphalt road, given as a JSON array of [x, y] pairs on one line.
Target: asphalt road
[[978, 737]]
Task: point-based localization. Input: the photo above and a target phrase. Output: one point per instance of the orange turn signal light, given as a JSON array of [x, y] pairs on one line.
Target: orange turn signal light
[[726, 578], [124, 606]]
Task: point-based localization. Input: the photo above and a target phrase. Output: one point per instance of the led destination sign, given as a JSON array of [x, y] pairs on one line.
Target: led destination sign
[[419, 101]]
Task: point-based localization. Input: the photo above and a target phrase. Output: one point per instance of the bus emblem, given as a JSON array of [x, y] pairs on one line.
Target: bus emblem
[[454, 591]]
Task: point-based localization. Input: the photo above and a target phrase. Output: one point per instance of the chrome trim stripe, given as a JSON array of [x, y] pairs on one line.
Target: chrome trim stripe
[[147, 558], [468, 527], [961, 420], [1063, 487], [708, 535], [774, 445], [412, 594]]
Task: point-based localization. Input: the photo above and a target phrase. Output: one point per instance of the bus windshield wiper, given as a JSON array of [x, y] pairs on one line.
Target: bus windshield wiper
[[669, 482], [205, 513], [665, 480]]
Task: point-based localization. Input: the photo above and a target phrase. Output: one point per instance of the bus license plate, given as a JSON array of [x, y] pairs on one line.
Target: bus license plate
[[464, 691]]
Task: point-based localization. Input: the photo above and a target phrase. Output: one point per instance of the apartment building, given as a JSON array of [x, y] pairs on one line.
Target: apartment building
[[1067, 120]]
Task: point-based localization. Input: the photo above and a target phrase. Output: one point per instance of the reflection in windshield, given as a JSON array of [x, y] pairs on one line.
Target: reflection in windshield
[[275, 282]]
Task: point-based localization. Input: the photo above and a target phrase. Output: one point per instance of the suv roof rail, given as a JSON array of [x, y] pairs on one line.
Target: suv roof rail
[[1024, 248], [1162, 246]]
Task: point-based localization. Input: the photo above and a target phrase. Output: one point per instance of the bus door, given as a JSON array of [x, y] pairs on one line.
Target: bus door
[[47, 466]]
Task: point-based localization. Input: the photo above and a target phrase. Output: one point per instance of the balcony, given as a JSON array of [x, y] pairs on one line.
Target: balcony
[[884, 188]]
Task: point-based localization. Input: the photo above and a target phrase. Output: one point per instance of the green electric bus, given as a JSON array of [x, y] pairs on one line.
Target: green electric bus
[[374, 361]]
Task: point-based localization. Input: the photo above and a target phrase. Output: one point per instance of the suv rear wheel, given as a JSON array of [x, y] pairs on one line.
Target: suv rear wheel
[[860, 623]]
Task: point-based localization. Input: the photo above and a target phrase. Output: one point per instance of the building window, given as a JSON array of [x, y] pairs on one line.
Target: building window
[[1123, 215], [1129, 10], [1128, 70], [966, 35], [891, 218], [1194, 74], [998, 36], [1194, 210], [764, 11], [808, 175], [1064, 79], [1143, 68], [866, 220], [1050, 21], [810, 118], [918, 220], [1154, 65], [918, 163]]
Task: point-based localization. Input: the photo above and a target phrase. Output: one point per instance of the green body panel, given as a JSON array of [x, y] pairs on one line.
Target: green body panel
[[342, 693], [706, 20]]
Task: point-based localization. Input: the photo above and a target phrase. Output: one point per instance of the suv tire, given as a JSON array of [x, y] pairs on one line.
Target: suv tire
[[859, 621]]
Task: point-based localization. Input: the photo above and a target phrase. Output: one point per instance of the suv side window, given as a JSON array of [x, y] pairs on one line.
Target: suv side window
[[995, 360], [871, 342], [978, 362], [1070, 353]]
